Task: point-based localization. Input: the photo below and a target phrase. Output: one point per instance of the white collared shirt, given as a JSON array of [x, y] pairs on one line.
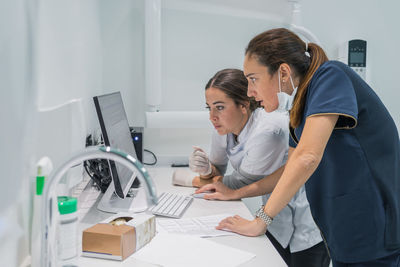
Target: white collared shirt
[[261, 148]]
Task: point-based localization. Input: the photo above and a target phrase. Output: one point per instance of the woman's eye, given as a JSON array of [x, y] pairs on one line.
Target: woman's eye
[[252, 79], [220, 107], [208, 108]]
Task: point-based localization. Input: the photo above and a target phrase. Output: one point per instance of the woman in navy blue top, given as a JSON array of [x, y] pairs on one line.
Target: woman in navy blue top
[[344, 147]]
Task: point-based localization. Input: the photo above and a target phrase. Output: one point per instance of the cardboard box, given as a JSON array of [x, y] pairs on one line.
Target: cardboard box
[[119, 236]]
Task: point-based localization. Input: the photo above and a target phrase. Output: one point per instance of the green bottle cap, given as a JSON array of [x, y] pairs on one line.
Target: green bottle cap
[[67, 205], [39, 185]]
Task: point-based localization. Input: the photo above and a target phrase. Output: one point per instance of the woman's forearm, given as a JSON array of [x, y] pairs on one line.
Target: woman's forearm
[[299, 169], [264, 186], [303, 161]]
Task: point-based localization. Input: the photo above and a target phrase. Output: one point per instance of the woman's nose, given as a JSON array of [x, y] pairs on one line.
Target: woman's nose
[[213, 117], [250, 91]]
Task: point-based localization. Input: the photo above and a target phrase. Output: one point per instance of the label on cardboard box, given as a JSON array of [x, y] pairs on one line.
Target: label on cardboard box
[[145, 229]]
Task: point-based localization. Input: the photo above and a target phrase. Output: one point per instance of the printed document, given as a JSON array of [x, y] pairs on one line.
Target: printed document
[[199, 226]]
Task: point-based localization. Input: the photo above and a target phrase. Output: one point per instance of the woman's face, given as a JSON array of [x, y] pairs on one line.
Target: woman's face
[[225, 115], [262, 86]]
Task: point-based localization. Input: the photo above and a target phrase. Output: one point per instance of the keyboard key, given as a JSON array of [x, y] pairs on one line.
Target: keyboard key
[[183, 206]]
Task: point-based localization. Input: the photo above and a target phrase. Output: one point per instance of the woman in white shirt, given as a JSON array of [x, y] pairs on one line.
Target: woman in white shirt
[[255, 143]]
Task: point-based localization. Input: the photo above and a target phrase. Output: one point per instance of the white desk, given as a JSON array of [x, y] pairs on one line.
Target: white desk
[[266, 255]]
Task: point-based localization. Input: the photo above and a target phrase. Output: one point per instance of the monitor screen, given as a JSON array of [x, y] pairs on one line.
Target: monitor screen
[[115, 129]]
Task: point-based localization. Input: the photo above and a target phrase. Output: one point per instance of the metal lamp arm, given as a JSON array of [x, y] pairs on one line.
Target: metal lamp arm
[[87, 154]]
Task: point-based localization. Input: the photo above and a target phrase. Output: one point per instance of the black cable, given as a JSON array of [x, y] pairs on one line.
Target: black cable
[[98, 170], [154, 156], [87, 166]]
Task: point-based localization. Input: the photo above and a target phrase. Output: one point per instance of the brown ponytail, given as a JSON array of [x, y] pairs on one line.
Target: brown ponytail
[[277, 46]]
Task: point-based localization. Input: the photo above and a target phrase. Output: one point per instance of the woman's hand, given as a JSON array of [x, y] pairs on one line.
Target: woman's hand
[[199, 162], [242, 226], [219, 191]]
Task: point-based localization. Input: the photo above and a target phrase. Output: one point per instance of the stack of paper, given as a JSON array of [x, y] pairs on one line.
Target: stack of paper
[[172, 250]]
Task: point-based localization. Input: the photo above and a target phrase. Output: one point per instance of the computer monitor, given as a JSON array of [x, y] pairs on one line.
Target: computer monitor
[[116, 134]]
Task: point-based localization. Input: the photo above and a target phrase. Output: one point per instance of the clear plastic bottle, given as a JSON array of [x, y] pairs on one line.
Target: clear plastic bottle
[[67, 245], [44, 167], [36, 222]]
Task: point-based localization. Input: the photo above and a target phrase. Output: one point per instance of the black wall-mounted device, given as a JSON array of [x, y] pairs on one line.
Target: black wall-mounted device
[[137, 139], [354, 54]]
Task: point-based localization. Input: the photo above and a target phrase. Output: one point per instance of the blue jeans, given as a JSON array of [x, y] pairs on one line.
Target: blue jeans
[[389, 261]]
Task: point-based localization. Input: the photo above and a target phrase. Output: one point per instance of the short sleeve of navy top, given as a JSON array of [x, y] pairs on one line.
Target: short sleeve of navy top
[[354, 192], [330, 94]]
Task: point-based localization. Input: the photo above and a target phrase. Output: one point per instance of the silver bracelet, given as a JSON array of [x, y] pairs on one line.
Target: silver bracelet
[[263, 216]]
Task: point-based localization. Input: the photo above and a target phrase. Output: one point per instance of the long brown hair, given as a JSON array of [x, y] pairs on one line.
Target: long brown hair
[[234, 84], [277, 46]]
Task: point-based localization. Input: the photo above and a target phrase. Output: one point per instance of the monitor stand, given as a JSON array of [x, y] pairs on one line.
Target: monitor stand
[[135, 201]]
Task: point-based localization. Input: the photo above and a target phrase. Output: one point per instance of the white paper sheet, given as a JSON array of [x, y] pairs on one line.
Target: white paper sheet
[[172, 250], [199, 226]]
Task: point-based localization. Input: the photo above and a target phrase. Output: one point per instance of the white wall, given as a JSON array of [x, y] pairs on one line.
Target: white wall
[[15, 139], [334, 22], [122, 33], [199, 39], [67, 72], [52, 56]]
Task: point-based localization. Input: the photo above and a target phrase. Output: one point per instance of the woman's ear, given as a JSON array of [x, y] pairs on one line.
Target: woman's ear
[[285, 72], [245, 108]]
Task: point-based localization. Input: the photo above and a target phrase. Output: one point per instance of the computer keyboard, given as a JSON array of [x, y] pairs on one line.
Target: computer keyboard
[[171, 205]]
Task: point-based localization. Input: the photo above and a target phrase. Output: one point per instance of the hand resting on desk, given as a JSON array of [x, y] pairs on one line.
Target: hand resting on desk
[[242, 226], [220, 191], [236, 223]]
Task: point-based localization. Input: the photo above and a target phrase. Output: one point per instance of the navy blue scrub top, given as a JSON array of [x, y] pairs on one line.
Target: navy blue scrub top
[[354, 194]]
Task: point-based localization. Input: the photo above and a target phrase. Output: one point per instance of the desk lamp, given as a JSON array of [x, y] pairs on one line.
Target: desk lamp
[[89, 153]]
